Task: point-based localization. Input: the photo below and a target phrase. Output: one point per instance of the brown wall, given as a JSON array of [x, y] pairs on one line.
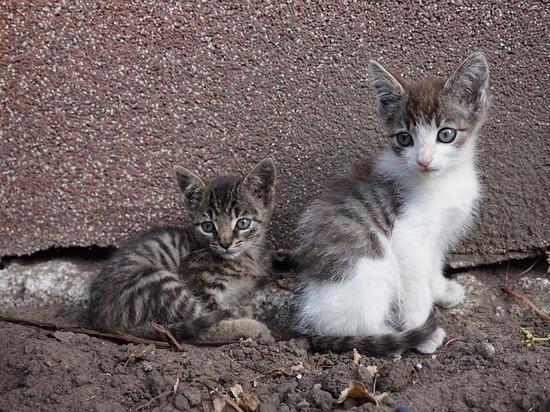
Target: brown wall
[[100, 99]]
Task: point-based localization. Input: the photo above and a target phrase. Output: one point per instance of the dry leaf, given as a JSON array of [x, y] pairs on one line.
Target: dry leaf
[[237, 391], [226, 399], [247, 402], [322, 360], [356, 356], [219, 404], [372, 370], [297, 368], [357, 390]]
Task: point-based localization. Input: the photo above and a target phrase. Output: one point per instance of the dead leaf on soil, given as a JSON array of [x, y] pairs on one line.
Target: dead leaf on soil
[[248, 402], [297, 368], [372, 370], [221, 399], [357, 390], [356, 356], [219, 404]]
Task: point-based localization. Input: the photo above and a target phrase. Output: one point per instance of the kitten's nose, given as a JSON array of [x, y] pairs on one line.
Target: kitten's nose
[[423, 162], [226, 244]]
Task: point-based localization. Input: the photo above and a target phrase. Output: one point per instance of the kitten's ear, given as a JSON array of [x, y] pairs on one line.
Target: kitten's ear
[[191, 186], [389, 91], [260, 182], [468, 85]]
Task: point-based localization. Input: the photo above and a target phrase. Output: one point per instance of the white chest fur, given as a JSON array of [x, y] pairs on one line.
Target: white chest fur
[[409, 275]]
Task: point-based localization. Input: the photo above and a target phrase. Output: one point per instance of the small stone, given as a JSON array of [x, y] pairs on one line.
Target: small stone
[[267, 407], [181, 403], [81, 379], [486, 350], [394, 377], [193, 395], [63, 336], [322, 398], [302, 405]]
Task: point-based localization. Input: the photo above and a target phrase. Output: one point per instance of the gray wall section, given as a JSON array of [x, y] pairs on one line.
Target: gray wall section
[[101, 99]]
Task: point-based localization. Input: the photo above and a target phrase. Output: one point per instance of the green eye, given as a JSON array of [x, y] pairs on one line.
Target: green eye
[[243, 224], [404, 139], [446, 135], [208, 227]]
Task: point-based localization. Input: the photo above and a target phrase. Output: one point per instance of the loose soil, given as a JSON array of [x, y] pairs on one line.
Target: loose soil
[[485, 365]]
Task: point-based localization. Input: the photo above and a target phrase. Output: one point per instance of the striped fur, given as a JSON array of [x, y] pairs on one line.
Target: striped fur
[[193, 280], [372, 246]]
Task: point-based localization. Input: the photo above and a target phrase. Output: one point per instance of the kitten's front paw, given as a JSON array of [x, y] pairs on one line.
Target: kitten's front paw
[[432, 343], [452, 295], [234, 329]]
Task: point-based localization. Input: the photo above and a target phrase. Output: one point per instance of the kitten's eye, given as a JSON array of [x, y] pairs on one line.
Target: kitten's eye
[[243, 223], [208, 227], [404, 139], [446, 135]]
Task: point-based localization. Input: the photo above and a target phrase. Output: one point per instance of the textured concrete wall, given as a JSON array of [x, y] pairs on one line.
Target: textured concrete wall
[[100, 99]]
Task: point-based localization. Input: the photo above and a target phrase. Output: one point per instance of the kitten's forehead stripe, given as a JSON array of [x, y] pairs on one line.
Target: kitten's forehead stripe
[[421, 100]]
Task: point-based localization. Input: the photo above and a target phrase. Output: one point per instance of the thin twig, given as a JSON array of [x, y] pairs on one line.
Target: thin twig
[[523, 299], [116, 337], [168, 334]]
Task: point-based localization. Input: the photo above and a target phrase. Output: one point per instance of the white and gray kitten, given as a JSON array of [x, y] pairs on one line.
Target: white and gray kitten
[[193, 279], [373, 245]]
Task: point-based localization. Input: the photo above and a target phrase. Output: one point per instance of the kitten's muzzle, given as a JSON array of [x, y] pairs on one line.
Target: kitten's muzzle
[[225, 244]]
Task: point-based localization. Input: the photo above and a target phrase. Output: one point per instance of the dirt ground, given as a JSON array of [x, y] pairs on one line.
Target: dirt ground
[[485, 366]]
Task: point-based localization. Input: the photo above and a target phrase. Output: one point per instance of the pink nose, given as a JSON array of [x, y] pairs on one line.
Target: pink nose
[[423, 163]]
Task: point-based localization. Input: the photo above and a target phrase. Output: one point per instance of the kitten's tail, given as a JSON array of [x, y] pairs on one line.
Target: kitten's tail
[[425, 339]]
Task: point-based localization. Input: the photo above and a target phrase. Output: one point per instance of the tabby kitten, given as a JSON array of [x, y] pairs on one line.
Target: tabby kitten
[[192, 280], [373, 245]]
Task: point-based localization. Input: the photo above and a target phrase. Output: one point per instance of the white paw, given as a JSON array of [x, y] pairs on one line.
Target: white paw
[[432, 343], [452, 295]]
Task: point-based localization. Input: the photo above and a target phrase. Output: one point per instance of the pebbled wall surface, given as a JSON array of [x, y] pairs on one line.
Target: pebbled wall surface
[[99, 100]]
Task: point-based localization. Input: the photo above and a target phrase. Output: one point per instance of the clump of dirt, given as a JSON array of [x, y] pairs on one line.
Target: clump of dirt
[[486, 365]]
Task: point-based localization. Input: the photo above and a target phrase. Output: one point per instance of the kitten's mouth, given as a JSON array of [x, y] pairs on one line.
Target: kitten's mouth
[[428, 170], [229, 254]]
